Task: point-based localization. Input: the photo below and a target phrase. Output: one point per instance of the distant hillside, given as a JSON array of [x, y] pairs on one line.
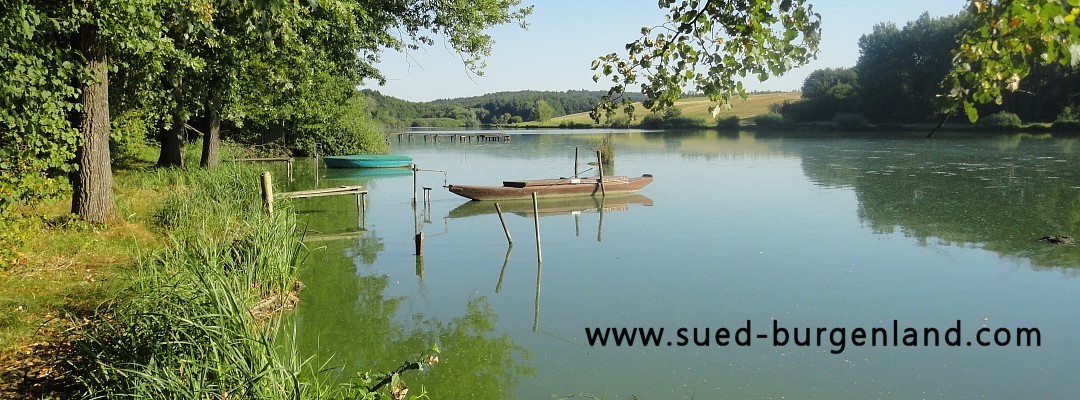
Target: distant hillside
[[494, 108], [698, 108]]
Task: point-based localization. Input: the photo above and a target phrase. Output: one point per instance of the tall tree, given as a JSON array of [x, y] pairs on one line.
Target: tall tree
[[93, 198], [543, 111], [280, 63], [102, 30], [899, 69]]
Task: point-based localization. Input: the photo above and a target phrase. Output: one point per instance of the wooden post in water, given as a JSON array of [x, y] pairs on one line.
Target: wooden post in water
[[498, 210], [419, 239], [536, 224], [427, 197], [414, 184], [600, 165], [267, 192], [361, 209], [575, 161]]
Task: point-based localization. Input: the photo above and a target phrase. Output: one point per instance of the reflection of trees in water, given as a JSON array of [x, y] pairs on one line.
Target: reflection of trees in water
[[345, 319], [1000, 195], [369, 247]]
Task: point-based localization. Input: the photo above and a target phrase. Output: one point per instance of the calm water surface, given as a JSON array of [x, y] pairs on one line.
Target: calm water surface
[[805, 231]]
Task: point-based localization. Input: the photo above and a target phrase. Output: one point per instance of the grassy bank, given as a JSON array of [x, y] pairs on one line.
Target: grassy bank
[[176, 297]]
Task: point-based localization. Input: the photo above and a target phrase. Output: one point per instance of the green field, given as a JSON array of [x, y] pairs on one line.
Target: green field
[[698, 107]]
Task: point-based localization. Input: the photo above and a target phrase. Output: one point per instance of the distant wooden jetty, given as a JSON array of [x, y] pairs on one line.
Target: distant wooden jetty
[[454, 137]]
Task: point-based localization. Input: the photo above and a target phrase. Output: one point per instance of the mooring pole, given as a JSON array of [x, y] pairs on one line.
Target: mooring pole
[[267, 192], [576, 161], [498, 210], [361, 204], [600, 165], [315, 161], [414, 169], [536, 224], [419, 239]]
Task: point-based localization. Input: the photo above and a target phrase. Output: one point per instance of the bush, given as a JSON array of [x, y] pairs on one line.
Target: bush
[[619, 121], [770, 120], [1069, 114], [848, 121], [606, 147], [652, 120], [727, 122], [671, 118], [574, 125], [1001, 120]]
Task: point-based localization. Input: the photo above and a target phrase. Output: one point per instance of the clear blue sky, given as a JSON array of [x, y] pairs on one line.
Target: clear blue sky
[[565, 36]]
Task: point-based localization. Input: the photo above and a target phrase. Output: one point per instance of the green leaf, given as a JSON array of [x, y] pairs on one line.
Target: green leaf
[[972, 113]]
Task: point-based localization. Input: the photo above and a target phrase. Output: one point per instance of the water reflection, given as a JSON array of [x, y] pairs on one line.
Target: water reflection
[[354, 174], [350, 323], [553, 206], [809, 230], [1001, 195]]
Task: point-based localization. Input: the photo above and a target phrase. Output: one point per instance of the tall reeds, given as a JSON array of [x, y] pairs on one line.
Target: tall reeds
[[184, 329]]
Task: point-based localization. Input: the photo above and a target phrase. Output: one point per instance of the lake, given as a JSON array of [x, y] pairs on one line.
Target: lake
[[774, 234]]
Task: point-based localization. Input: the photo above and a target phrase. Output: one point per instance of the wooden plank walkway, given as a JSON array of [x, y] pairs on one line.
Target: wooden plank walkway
[[359, 191], [335, 191]]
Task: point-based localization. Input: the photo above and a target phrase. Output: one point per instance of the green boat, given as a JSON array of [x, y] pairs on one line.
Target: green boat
[[368, 161]]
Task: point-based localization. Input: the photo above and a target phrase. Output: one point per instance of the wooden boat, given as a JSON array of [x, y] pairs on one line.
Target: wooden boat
[[368, 161], [554, 206], [561, 187]]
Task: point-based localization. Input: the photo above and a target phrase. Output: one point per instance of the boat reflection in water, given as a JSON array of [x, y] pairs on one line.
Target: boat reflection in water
[[364, 173], [553, 206]]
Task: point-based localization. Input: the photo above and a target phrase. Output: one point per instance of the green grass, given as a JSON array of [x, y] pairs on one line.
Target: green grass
[[177, 296]]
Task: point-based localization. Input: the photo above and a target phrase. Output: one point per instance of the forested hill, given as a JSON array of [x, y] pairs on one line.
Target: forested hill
[[493, 108]]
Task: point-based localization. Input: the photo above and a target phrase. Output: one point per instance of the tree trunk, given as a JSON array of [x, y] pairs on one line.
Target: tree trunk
[[212, 134], [172, 141], [92, 197]]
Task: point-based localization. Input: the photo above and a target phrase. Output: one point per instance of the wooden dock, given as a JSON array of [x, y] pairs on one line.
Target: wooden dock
[[359, 191], [455, 137]]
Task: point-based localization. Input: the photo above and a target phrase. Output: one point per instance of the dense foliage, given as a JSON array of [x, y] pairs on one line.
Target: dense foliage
[[899, 69], [161, 67], [1009, 39], [897, 75]]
